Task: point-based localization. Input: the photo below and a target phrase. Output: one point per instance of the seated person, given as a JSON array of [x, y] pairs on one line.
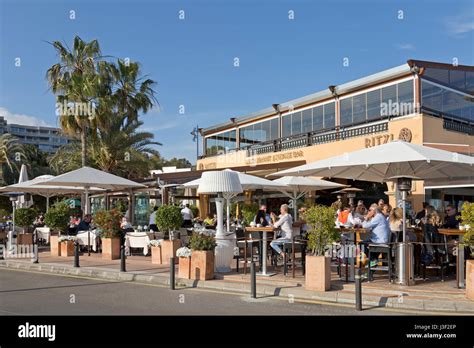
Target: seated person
[[262, 213], [209, 220], [451, 220], [344, 217], [39, 222], [285, 224], [85, 223], [125, 225], [379, 228]]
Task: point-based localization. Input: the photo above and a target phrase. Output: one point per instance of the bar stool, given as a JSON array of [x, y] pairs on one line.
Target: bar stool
[[385, 250]]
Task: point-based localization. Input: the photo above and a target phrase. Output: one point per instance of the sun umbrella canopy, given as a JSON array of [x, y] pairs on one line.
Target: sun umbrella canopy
[[22, 200], [396, 158], [89, 177], [302, 184]]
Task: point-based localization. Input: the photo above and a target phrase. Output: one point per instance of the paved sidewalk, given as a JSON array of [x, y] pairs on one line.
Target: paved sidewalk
[[430, 296]]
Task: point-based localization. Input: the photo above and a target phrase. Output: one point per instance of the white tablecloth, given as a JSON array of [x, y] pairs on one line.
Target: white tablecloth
[[43, 233], [82, 238], [137, 240]]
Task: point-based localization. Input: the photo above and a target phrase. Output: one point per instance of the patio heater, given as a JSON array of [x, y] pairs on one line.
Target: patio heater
[[225, 184], [405, 260]]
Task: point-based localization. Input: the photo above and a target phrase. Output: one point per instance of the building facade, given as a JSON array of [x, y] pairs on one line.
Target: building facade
[[46, 139], [422, 102]]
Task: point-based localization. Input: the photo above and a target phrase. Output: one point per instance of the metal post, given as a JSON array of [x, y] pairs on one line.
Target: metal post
[[172, 266], [122, 258], [89, 243], [76, 254], [253, 280], [358, 289]]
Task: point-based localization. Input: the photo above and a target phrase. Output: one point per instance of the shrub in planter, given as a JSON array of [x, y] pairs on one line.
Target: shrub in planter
[[168, 218], [57, 219], [156, 255], [321, 233], [248, 213], [66, 245], [108, 221], [24, 217], [202, 256], [184, 256]]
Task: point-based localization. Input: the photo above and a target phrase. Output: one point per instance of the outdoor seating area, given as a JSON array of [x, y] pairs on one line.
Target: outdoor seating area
[[324, 245]]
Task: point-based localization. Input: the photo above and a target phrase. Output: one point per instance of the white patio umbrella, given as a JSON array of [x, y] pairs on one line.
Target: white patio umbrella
[[247, 181], [225, 184], [88, 178], [297, 187], [22, 202], [35, 186]]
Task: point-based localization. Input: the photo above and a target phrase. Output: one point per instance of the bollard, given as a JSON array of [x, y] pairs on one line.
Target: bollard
[[76, 254], [172, 282], [253, 280], [122, 259], [358, 289]]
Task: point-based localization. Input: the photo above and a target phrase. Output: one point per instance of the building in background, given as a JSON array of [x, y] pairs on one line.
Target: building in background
[[422, 102], [46, 139]]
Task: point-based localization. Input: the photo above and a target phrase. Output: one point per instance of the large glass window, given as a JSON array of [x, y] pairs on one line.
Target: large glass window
[[373, 104], [329, 116], [455, 78], [405, 98], [447, 102], [296, 123], [318, 118], [359, 107], [286, 120], [275, 127], [346, 111], [221, 142], [259, 132], [307, 120]]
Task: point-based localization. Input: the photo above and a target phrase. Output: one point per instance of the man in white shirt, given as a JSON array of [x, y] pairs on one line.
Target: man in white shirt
[[152, 224], [187, 216], [285, 224]]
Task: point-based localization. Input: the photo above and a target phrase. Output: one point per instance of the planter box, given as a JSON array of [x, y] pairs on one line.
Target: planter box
[[67, 248], [184, 268], [54, 246], [470, 279], [318, 273], [168, 250], [156, 255], [202, 265], [111, 248], [24, 239]]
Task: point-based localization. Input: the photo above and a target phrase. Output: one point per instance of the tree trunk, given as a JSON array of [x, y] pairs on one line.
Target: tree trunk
[[84, 146]]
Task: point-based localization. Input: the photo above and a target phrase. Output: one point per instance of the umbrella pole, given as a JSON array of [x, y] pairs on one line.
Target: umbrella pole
[[47, 203]]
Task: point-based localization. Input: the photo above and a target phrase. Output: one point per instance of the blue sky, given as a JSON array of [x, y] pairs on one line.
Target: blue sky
[[193, 59]]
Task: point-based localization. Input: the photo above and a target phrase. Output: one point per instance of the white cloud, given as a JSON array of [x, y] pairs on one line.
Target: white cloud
[[458, 25], [405, 46], [22, 119]]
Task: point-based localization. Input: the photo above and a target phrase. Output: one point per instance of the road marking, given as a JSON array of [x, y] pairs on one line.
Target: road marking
[[240, 294]]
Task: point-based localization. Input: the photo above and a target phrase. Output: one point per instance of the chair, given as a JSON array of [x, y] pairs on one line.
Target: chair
[[296, 245], [243, 243], [441, 263], [385, 250]]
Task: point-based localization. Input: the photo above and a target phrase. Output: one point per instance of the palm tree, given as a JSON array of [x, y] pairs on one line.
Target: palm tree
[[75, 80], [11, 151]]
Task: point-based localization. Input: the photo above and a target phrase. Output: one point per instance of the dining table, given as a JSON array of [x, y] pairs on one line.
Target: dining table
[[137, 240], [357, 235], [265, 231], [460, 279]]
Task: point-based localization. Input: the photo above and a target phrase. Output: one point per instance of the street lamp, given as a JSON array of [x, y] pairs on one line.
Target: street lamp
[[195, 134]]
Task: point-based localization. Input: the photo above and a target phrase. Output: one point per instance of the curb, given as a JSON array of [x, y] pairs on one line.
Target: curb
[[392, 300]]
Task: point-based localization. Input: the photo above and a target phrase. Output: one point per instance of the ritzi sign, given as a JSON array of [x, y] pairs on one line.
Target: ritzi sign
[[405, 134]]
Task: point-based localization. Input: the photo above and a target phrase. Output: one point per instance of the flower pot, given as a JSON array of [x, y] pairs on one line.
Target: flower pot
[[202, 265], [470, 279], [24, 239], [111, 248], [168, 250], [184, 268], [54, 246], [156, 255], [67, 248], [318, 273]]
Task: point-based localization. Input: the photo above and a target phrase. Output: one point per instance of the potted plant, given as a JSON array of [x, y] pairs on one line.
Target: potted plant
[[321, 232], [467, 224], [184, 268], [24, 217], [108, 221], [57, 219], [169, 218], [66, 245], [248, 213], [202, 256], [156, 255]]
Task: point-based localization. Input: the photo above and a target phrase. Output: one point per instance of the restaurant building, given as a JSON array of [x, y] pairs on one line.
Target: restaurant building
[[422, 102]]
